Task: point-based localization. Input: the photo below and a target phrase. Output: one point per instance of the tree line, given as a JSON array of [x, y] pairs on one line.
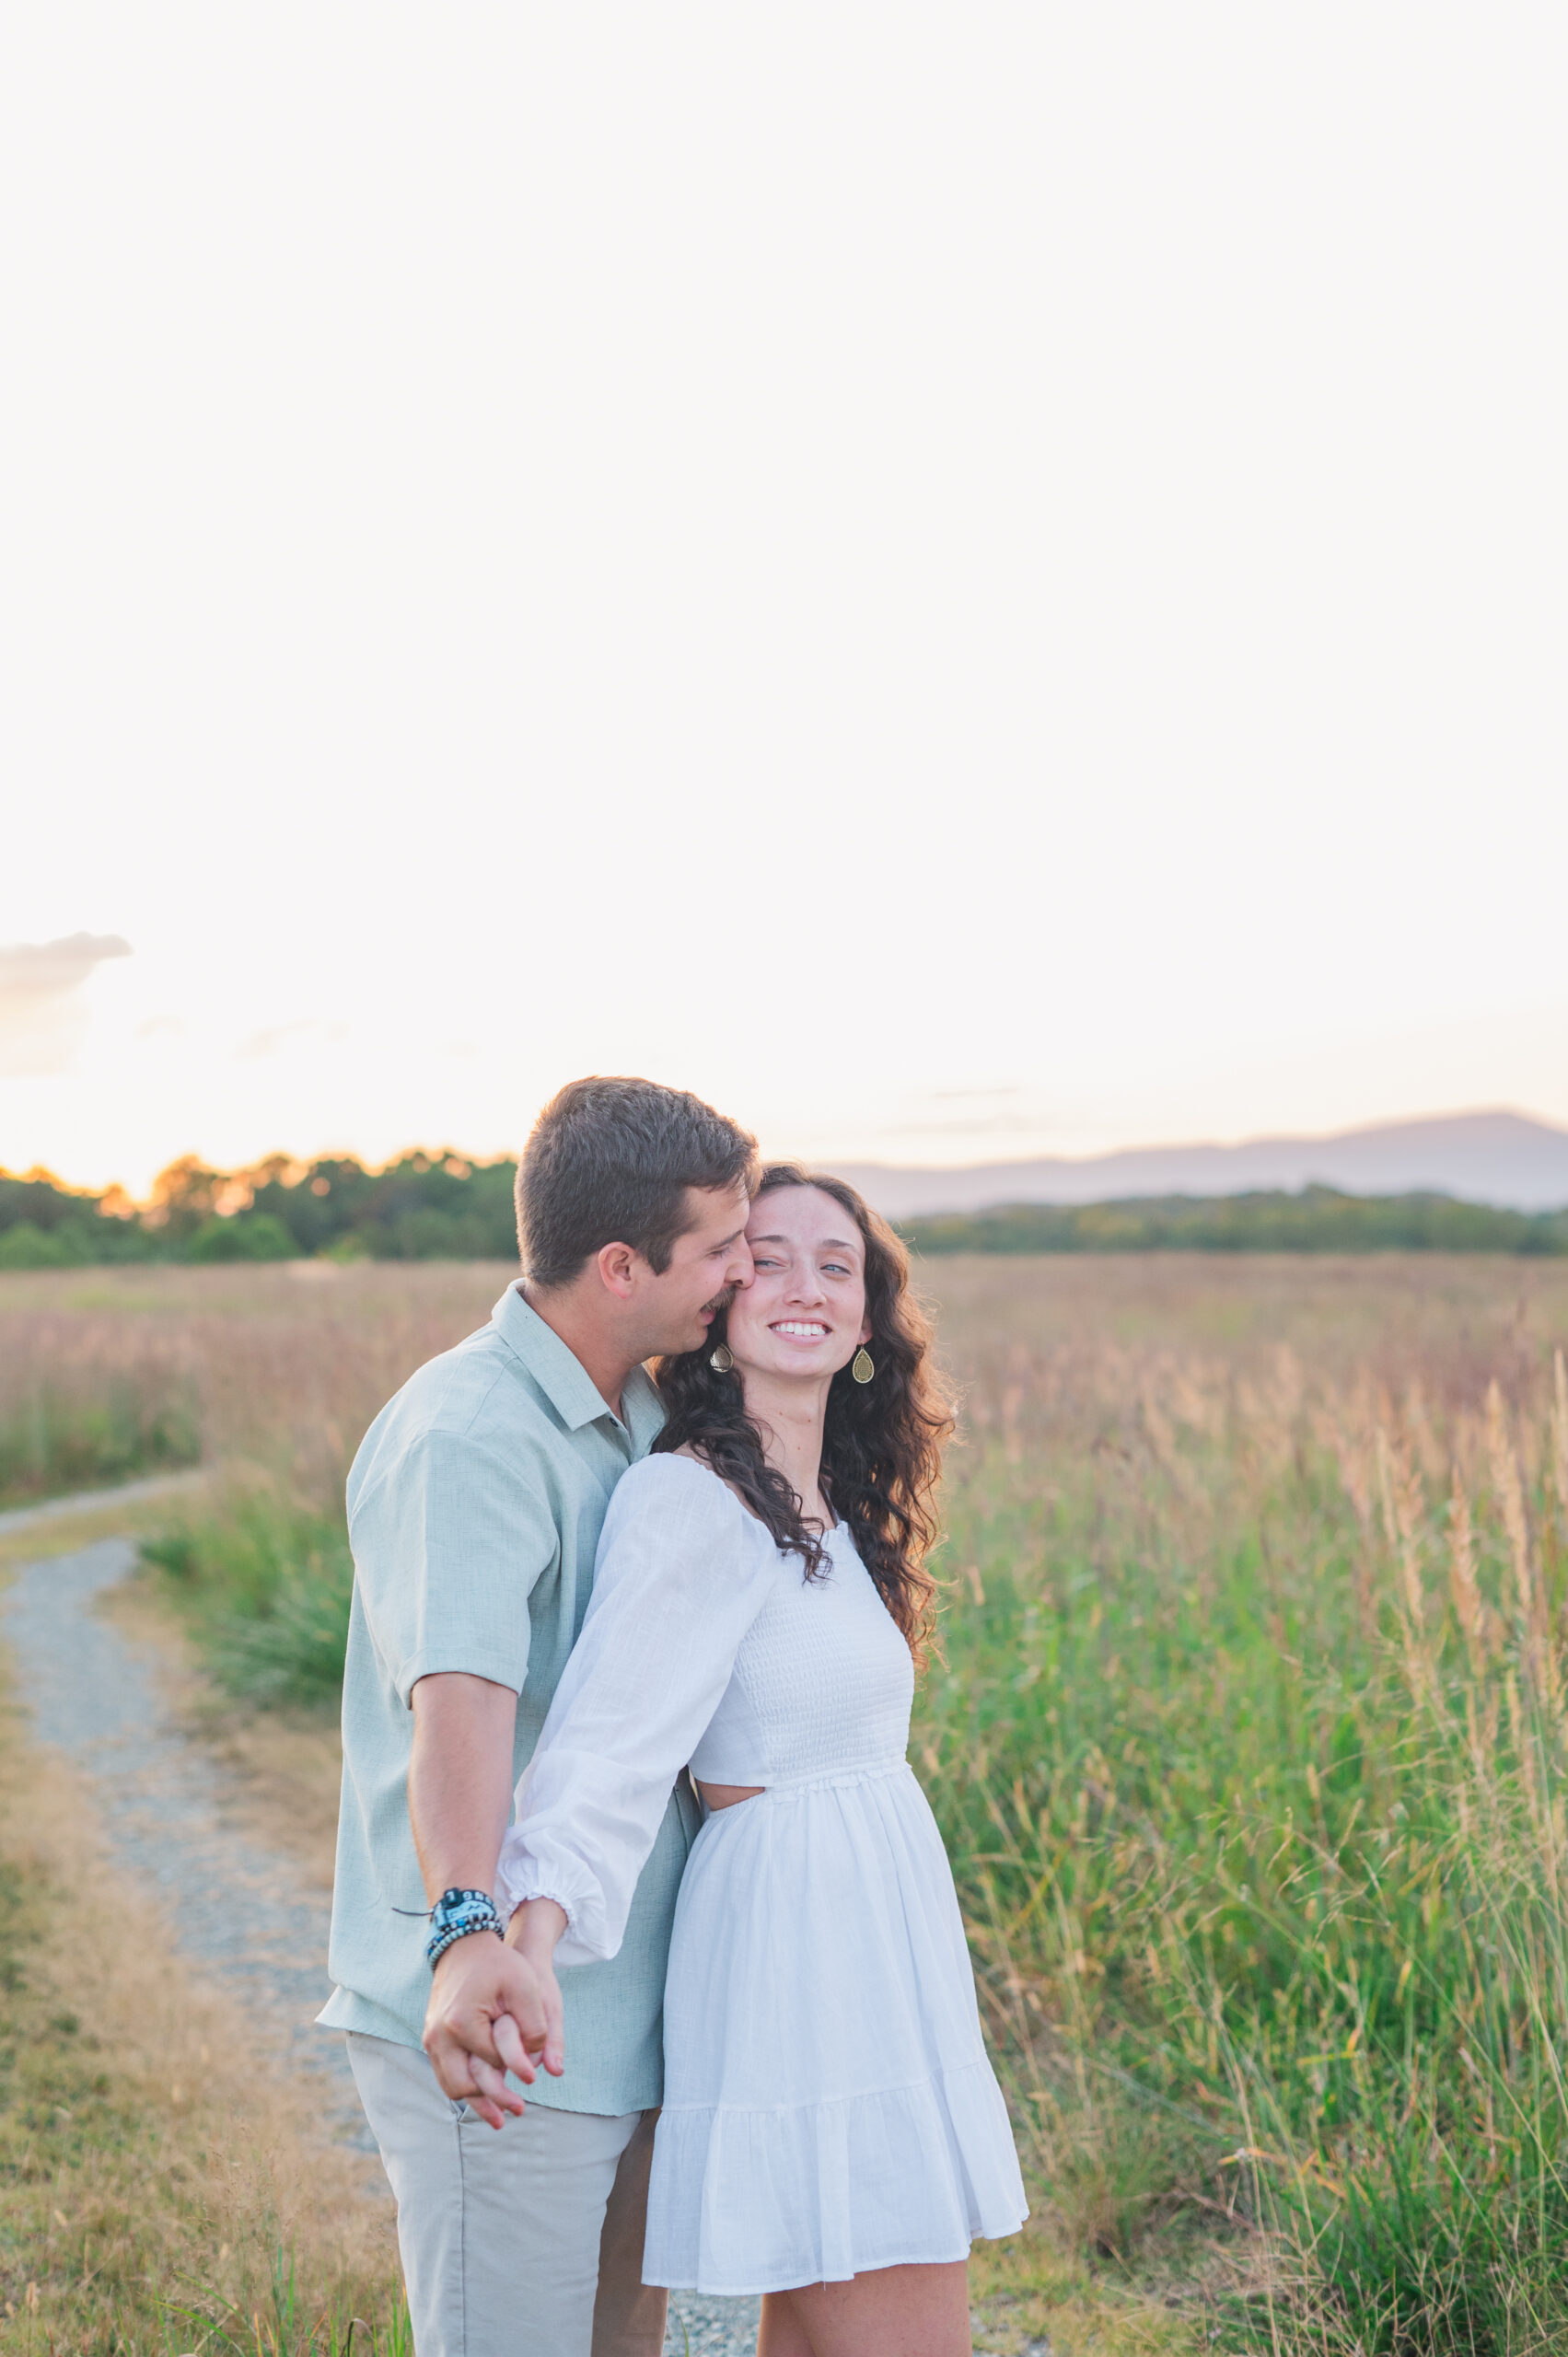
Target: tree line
[[1318, 1219], [424, 1206], [446, 1207]]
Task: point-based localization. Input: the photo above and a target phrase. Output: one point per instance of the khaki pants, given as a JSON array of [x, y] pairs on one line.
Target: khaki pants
[[521, 2242]]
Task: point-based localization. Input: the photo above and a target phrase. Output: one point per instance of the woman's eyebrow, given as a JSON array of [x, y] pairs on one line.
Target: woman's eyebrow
[[829, 1243]]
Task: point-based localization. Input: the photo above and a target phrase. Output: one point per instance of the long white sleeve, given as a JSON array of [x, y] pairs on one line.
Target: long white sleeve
[[682, 1572]]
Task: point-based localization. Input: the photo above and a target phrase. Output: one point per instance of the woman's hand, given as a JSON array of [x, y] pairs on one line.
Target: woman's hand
[[535, 1932], [488, 2014]]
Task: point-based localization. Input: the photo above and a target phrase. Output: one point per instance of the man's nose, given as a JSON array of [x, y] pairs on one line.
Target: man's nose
[[740, 1270]]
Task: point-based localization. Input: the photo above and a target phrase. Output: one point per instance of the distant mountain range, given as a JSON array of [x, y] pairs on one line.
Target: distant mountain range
[[1494, 1157]]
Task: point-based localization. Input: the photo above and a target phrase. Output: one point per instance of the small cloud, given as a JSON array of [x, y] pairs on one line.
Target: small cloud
[[30, 969], [286, 1035], [42, 1014]]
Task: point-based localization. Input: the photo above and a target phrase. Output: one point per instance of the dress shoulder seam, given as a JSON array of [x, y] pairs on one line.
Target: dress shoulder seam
[[668, 1457], [672, 1457]]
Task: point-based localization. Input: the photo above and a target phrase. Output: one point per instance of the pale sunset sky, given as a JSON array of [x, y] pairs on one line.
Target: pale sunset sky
[[966, 581]]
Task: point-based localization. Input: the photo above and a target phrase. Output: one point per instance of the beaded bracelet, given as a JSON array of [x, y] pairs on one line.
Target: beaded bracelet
[[456, 1913]]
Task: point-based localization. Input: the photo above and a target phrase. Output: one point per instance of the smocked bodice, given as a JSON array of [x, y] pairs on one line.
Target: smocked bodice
[[823, 1681]]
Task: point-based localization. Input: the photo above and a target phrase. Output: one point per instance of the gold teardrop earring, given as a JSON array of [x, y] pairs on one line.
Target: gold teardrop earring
[[862, 1366], [722, 1359]]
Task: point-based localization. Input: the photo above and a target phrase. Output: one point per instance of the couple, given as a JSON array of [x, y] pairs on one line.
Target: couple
[[566, 1575]]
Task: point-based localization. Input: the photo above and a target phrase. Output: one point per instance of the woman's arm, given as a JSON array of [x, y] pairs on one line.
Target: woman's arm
[[535, 1932], [683, 1572]]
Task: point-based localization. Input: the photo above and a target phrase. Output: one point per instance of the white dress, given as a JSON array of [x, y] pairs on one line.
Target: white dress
[[828, 2104]]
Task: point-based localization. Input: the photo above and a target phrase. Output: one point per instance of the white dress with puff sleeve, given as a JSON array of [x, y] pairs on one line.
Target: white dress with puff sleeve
[[828, 2104]]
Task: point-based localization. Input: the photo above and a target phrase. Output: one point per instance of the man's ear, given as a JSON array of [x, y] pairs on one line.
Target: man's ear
[[617, 1265]]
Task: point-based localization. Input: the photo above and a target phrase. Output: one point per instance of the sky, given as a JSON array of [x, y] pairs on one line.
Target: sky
[[965, 581]]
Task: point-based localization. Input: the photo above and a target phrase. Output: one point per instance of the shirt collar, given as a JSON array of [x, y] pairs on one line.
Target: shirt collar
[[566, 1381]]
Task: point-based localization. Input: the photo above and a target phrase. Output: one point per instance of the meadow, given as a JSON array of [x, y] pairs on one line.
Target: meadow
[[1246, 1736]]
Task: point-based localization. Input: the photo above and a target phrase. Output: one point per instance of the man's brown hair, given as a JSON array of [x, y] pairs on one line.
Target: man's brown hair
[[609, 1162]]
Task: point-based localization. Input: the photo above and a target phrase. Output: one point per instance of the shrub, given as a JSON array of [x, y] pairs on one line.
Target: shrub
[[27, 1246], [250, 1236]]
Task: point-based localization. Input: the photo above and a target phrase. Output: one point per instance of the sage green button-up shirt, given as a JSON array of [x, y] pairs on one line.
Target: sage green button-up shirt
[[474, 1509]]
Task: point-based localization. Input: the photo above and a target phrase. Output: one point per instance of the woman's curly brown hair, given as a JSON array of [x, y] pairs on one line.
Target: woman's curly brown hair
[[881, 1443]]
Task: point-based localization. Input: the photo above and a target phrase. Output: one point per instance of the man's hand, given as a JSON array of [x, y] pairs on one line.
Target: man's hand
[[489, 2014]]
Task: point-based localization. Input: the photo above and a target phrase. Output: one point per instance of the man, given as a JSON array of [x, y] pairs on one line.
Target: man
[[475, 1504]]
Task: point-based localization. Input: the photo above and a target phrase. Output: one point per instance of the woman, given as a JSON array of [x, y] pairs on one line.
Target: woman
[[833, 2134]]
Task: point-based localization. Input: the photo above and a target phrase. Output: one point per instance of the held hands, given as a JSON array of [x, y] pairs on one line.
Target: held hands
[[493, 2010], [534, 1933]]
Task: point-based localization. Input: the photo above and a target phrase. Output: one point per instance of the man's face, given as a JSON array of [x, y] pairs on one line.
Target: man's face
[[710, 1261]]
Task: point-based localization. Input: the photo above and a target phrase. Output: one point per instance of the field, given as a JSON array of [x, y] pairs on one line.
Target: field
[[1247, 1739]]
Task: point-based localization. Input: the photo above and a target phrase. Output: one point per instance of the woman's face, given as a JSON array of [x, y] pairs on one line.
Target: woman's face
[[804, 1312]]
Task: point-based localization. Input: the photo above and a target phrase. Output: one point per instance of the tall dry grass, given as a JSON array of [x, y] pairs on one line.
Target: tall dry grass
[[105, 1373]]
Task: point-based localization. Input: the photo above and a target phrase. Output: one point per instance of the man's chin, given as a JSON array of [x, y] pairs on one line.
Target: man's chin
[[697, 1337]]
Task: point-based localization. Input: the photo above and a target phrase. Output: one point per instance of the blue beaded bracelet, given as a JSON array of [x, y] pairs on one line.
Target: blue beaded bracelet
[[456, 1913]]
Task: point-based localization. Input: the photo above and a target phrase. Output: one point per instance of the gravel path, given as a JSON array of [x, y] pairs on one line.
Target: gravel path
[[156, 1485], [234, 1907], [168, 1808]]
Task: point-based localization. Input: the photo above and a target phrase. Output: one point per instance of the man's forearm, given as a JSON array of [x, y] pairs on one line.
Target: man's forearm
[[459, 1784], [488, 2011]]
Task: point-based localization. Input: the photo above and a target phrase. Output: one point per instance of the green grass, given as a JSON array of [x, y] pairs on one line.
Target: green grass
[[53, 1443], [263, 1583], [1266, 1866]]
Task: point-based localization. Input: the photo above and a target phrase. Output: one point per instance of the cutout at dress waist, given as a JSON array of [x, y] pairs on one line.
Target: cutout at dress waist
[[714, 1797]]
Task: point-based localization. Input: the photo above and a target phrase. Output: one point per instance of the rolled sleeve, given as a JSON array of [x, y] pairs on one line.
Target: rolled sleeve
[[448, 1547]]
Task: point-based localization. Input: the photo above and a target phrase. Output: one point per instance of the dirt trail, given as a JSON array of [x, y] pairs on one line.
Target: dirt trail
[[168, 1808], [173, 1815], [157, 1485]]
